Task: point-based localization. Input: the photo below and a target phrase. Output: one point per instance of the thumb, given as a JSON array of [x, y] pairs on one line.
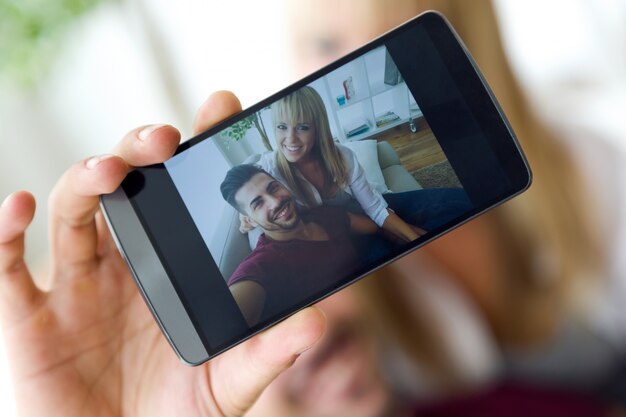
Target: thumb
[[239, 376]]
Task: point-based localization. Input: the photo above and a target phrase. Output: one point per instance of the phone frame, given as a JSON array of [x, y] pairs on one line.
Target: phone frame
[[151, 272]]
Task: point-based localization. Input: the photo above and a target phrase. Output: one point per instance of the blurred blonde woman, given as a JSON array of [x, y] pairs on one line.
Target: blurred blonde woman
[[530, 267]]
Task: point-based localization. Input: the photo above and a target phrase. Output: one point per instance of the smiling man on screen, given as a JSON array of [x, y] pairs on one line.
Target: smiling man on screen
[[299, 254]]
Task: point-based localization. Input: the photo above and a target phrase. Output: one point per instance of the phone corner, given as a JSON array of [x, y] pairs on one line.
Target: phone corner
[[529, 180], [191, 360], [435, 15]]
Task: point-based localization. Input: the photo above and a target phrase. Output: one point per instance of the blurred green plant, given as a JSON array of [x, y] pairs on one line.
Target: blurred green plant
[[238, 131], [31, 34]]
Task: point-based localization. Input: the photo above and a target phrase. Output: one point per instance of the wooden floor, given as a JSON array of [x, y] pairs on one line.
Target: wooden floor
[[415, 150]]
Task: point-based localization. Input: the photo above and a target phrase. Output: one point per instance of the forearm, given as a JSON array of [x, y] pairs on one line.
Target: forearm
[[399, 228], [362, 225], [250, 297]]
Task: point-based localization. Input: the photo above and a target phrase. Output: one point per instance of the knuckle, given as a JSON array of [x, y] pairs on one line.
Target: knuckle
[[11, 267], [79, 221]]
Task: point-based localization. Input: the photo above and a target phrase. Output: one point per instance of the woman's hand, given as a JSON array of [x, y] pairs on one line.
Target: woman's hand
[[418, 230], [401, 229], [88, 345]]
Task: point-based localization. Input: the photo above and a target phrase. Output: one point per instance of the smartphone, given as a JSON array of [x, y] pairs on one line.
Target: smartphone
[[335, 176]]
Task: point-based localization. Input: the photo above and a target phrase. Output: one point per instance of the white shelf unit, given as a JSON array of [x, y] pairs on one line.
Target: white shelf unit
[[372, 97]]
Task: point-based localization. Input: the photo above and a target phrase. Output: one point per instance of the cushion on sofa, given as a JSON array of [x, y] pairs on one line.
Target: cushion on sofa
[[367, 154], [399, 180], [387, 156]]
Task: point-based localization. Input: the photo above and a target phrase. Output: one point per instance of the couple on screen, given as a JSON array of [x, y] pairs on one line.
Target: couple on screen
[[315, 207]]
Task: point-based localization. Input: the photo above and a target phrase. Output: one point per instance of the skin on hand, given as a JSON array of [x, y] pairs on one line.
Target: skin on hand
[[89, 346], [398, 227]]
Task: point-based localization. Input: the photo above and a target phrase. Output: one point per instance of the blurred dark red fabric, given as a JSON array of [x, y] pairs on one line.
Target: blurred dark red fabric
[[512, 400]]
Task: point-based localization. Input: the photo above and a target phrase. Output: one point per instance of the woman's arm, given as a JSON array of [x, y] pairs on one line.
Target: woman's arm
[[362, 225], [370, 200], [250, 297], [398, 227], [373, 203]]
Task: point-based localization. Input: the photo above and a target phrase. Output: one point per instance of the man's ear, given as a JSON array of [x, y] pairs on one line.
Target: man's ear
[[249, 220]]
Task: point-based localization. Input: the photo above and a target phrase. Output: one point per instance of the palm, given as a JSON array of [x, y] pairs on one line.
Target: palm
[[88, 338]]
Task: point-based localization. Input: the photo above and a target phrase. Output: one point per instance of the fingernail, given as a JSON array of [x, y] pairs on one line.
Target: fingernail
[[92, 162], [147, 131], [6, 200]]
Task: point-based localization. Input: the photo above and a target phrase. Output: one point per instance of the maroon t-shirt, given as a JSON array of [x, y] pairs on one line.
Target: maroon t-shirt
[[291, 271]]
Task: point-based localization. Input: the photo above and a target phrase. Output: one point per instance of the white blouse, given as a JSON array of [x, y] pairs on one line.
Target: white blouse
[[371, 201]]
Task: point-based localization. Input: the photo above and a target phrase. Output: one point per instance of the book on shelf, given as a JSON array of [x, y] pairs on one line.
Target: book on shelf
[[357, 130], [356, 127], [386, 118]]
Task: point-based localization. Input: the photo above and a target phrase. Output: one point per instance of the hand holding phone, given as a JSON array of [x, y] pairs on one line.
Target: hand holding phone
[[89, 343]]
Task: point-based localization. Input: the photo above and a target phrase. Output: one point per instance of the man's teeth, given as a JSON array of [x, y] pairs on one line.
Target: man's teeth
[[281, 213]]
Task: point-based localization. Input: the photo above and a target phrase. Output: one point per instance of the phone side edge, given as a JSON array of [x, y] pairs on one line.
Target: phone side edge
[[435, 14], [151, 278]]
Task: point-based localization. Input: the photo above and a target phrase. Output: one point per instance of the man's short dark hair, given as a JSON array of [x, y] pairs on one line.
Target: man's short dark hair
[[236, 177]]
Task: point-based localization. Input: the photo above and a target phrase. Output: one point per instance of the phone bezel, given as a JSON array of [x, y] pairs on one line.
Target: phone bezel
[[164, 299]]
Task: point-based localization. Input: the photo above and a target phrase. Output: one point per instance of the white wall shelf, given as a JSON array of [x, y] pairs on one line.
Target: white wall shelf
[[372, 98]]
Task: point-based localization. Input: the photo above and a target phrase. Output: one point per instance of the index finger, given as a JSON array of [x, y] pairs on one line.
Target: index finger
[[217, 107], [74, 201], [75, 198]]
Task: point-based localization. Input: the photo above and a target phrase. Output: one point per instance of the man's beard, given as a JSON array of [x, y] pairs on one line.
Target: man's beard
[[293, 223]]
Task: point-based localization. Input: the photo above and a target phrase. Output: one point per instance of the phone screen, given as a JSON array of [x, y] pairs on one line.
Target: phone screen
[[327, 180]]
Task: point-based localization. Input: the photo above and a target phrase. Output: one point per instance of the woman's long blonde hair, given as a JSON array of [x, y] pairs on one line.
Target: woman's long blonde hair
[[306, 105]]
